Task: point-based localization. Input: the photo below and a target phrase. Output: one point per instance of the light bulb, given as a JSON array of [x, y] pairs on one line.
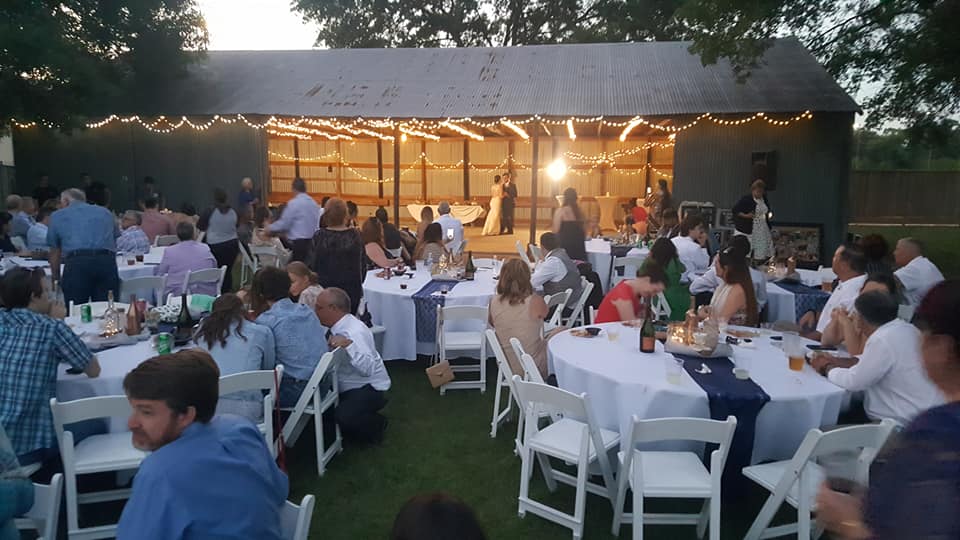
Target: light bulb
[[557, 170]]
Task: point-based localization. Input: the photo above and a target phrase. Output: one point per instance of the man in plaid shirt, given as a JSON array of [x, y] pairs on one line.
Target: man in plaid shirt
[[32, 346], [132, 238]]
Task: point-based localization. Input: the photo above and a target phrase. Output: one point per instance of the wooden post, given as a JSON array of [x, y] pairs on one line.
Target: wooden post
[[466, 169], [396, 175], [296, 159], [423, 169], [339, 180], [603, 169], [510, 157], [380, 168], [533, 186], [647, 169]]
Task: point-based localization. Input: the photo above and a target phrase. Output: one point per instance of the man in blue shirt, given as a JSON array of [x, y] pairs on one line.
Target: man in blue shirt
[[206, 477], [37, 234], [299, 220], [84, 237]]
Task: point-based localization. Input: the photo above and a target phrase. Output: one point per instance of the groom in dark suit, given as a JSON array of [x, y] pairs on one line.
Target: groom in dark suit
[[509, 203]]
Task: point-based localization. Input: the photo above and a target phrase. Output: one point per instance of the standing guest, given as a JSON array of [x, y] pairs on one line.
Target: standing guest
[[220, 223], [436, 516], [557, 272], [656, 202], [516, 312], [843, 328], [353, 211], [375, 254], [889, 371], [509, 205], [570, 226], [452, 228], [6, 243], [300, 220], [669, 224], [303, 284], [751, 216], [85, 182], [154, 223], [32, 347], [205, 477], [132, 238], [735, 300], [622, 303], [237, 345], [184, 257], [392, 239], [639, 215], [338, 253], [44, 191], [664, 255], [430, 246], [913, 483], [364, 380], [691, 247], [37, 234], [247, 200], [261, 238], [426, 218], [877, 252], [23, 219], [849, 265], [297, 332], [84, 236], [491, 225], [149, 191], [916, 272]]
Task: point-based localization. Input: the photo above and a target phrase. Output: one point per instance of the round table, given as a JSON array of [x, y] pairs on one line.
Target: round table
[[598, 253], [466, 213], [393, 308], [621, 382]]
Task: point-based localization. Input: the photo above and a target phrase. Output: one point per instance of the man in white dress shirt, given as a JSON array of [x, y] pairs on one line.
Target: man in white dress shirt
[[557, 272], [364, 380], [451, 227], [849, 263], [299, 220], [691, 248], [917, 273], [890, 371]]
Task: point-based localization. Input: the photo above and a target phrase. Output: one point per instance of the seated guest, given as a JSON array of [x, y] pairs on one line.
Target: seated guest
[[691, 247], [877, 252], [849, 265], [6, 243], [364, 379], [889, 371], [22, 215], [622, 303], [516, 312], [236, 345], [430, 246], [352, 212], [734, 300], [337, 255], [32, 347], [205, 477], [670, 227], [842, 328], [392, 238], [184, 257], [37, 234], [426, 218], [261, 238], [132, 238], [664, 255], [639, 215], [297, 333], [916, 272], [375, 254], [154, 223], [557, 272], [436, 516], [451, 227], [705, 285], [303, 284]]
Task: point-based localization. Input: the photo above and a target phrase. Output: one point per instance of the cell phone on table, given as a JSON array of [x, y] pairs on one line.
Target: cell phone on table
[[450, 234], [74, 371], [816, 347]]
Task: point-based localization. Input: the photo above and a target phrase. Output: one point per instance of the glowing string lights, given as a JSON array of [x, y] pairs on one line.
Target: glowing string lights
[[572, 133], [515, 128], [463, 131]]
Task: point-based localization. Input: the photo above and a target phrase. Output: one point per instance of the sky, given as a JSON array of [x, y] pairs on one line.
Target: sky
[[255, 25]]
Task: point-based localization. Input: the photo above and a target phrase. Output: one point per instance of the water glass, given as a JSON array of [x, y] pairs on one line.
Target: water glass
[[674, 370], [612, 334]]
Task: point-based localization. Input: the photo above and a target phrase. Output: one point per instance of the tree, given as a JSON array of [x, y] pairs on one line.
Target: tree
[[926, 145], [63, 61]]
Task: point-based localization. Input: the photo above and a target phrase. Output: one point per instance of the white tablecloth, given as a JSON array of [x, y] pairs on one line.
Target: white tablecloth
[[467, 213], [622, 382], [393, 308], [598, 252]]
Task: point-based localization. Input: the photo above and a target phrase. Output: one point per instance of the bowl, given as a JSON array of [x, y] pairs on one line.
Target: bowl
[[399, 271], [592, 330]]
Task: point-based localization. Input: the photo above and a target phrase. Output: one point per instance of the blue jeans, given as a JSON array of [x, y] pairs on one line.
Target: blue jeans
[[90, 277]]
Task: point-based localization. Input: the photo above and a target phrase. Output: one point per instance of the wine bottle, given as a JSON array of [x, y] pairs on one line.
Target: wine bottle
[[184, 320], [133, 317], [470, 269], [648, 336]]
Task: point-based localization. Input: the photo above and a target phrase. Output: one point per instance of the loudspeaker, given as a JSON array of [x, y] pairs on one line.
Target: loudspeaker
[[764, 167]]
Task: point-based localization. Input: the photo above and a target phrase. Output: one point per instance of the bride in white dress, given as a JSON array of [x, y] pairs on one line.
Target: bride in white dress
[[491, 227]]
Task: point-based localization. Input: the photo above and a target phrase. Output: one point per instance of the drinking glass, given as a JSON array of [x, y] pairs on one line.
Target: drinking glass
[[612, 334], [674, 370], [793, 348]]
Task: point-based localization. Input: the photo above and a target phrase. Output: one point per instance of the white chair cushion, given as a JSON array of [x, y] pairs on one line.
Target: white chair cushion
[[108, 452], [462, 340], [768, 475], [672, 474], [562, 440]]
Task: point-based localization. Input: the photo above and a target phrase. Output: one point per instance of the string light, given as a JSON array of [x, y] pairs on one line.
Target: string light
[[515, 128], [353, 130], [417, 133], [463, 131], [296, 128], [325, 157], [570, 131]]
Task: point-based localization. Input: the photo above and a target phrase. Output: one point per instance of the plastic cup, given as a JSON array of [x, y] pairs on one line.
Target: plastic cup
[[793, 348], [674, 370], [612, 334]]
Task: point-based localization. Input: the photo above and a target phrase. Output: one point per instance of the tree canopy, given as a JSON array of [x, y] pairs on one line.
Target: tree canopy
[[63, 60]]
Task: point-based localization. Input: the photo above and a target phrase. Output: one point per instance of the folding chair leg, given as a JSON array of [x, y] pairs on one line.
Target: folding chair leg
[[637, 482], [704, 520], [763, 518], [526, 467], [318, 428], [496, 406], [547, 471], [580, 505]]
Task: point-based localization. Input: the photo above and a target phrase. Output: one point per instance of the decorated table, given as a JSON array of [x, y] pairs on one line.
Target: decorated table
[[466, 213], [600, 255], [621, 382], [409, 314]]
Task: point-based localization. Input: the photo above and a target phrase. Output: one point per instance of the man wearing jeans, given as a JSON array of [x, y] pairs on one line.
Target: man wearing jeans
[[84, 237]]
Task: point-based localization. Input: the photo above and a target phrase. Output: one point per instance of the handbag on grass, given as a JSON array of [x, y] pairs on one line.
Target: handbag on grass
[[439, 374]]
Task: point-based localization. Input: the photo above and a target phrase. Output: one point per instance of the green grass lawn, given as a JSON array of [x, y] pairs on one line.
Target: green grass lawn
[[443, 443], [943, 243]]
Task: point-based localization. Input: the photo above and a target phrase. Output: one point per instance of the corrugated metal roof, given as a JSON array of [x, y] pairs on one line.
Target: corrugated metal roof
[[610, 79]]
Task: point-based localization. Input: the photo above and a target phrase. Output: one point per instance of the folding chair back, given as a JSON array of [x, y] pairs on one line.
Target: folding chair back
[[44, 515], [248, 264], [661, 308], [556, 302], [259, 380], [155, 284], [576, 317], [535, 252], [593, 316], [530, 370], [295, 519], [208, 275], [626, 263], [164, 240], [463, 247], [265, 251], [18, 243], [461, 341], [483, 262], [504, 379], [523, 254]]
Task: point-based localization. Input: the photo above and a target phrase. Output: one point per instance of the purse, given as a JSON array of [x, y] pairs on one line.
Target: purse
[[439, 374]]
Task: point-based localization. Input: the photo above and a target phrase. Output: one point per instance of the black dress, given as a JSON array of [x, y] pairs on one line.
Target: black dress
[[573, 240], [337, 258]]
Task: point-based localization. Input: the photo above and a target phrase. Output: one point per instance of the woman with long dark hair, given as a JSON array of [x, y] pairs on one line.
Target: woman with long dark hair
[[237, 345], [220, 224], [656, 202], [569, 225], [430, 245], [734, 300], [664, 254], [375, 254]]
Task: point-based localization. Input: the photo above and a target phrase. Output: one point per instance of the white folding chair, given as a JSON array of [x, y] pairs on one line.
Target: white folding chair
[[163, 240], [265, 251], [97, 453], [201, 236], [573, 441], [483, 262], [593, 315], [672, 475], [396, 253], [313, 403], [577, 317], [627, 264], [557, 302], [259, 381], [796, 481], [248, 264], [905, 312], [530, 370], [379, 332], [661, 308], [295, 519], [136, 285], [523, 254], [209, 275], [462, 248], [44, 515], [535, 252], [462, 342], [18, 243]]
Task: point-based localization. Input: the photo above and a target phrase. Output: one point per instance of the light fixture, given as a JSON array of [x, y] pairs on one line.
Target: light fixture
[[403, 137], [557, 170], [570, 131]]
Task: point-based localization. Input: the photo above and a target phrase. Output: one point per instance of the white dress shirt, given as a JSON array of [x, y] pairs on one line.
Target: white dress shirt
[[549, 269], [845, 294], [918, 277], [693, 256], [366, 366], [709, 282], [300, 219], [891, 375], [447, 222]]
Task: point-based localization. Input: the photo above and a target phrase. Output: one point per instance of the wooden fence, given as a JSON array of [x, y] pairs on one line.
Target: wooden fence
[[905, 197]]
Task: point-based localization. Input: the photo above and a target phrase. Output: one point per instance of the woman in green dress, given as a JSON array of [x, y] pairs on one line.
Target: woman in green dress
[[664, 254]]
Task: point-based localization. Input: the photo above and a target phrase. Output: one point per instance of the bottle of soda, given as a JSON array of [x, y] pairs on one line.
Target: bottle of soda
[[133, 317], [648, 336]]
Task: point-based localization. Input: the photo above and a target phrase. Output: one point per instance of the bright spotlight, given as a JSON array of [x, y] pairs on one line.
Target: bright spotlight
[[557, 170]]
